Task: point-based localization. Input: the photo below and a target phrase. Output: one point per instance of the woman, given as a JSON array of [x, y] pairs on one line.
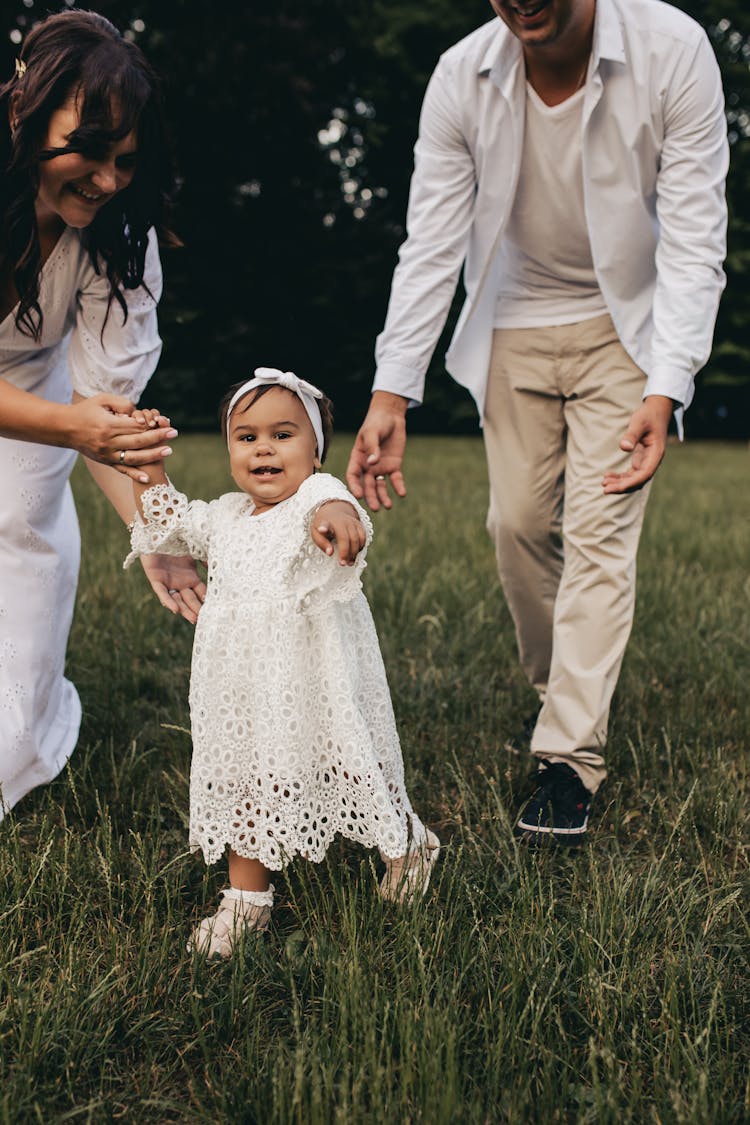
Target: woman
[[81, 204]]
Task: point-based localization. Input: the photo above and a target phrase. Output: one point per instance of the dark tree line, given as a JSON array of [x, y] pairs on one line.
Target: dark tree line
[[293, 127]]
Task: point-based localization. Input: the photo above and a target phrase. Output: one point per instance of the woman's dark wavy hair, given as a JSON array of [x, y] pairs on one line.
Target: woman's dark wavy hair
[[79, 53]]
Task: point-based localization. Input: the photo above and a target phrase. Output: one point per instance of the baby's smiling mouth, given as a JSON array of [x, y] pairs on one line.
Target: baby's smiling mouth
[[265, 471]]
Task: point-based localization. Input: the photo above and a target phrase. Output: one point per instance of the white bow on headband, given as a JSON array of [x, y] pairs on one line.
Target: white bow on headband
[[305, 392]]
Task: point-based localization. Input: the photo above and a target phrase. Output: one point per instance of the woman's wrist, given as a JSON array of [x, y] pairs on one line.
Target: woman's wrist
[[53, 423], [64, 430], [27, 417]]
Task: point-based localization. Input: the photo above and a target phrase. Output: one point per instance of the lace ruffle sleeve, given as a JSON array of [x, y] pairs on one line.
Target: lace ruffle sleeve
[[318, 579], [172, 525], [108, 354]]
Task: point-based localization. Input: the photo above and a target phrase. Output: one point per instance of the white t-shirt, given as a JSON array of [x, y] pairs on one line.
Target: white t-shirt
[[545, 265]]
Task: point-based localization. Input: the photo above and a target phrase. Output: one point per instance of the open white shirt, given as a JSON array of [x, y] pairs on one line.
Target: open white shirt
[[655, 158]]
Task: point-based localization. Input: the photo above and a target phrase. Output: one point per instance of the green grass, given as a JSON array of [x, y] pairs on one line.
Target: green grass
[[608, 987]]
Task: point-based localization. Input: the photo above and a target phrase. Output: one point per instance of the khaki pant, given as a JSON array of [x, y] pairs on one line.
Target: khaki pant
[[558, 402]]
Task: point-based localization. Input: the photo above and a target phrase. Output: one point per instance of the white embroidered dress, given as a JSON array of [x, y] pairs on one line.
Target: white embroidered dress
[[294, 738], [39, 540]]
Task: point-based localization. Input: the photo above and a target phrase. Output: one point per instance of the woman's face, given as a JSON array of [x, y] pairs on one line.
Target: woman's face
[[74, 187]]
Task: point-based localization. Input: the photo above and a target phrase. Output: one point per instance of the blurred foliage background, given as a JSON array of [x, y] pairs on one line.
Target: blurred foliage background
[[293, 126]]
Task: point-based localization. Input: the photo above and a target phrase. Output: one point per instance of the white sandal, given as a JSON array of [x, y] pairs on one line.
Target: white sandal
[[239, 912], [408, 877]]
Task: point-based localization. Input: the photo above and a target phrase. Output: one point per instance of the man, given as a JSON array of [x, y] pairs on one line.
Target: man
[[572, 156]]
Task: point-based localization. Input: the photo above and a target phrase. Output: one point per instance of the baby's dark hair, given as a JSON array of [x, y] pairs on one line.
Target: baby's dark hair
[[325, 404]]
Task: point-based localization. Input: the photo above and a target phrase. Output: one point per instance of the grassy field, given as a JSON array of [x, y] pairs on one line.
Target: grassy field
[[612, 986]]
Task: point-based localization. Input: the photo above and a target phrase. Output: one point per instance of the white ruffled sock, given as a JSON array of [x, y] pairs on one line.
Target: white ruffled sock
[[250, 898], [239, 912]]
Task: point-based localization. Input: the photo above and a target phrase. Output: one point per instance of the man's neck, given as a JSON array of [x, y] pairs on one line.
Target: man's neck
[[557, 70]]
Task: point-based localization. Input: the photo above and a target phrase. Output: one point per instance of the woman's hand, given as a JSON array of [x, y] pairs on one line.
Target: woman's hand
[[111, 430], [177, 584], [337, 522]]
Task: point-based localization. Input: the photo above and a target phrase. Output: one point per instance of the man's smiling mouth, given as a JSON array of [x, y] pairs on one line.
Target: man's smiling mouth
[[530, 11]]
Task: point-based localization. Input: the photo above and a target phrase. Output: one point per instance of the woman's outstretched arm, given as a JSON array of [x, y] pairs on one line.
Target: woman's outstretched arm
[[100, 427]]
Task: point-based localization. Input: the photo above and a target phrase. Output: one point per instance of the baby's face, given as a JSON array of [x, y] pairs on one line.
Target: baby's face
[[272, 447]]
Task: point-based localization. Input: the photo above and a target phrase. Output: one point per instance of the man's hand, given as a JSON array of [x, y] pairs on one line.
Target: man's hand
[[177, 584], [378, 451], [646, 438], [337, 522]]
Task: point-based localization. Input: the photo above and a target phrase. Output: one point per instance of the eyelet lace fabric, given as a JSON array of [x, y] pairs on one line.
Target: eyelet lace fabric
[[294, 738]]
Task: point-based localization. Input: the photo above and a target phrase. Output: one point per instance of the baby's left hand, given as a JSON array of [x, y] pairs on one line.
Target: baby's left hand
[[149, 418], [337, 521]]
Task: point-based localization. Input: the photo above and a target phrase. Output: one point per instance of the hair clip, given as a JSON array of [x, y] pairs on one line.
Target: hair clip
[[20, 68]]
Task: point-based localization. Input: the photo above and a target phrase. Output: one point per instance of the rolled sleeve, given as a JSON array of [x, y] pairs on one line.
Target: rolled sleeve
[[400, 380], [109, 353]]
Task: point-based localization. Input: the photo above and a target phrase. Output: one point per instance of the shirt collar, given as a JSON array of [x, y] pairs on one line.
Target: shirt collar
[[502, 57], [608, 38]]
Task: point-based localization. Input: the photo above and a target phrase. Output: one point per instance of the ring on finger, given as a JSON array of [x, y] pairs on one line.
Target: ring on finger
[[172, 592], [122, 456], [380, 477]]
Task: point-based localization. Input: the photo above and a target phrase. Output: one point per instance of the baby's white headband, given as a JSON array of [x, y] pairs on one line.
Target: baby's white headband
[[305, 392]]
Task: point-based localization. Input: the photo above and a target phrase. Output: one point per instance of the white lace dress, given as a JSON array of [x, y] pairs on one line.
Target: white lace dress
[[294, 738], [39, 541]]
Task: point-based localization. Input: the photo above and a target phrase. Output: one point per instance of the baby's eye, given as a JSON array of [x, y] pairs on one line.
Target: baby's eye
[[247, 437], [283, 434]]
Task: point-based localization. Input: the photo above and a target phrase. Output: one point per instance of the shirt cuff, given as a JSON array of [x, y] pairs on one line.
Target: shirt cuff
[[672, 383], [400, 380], [677, 385]]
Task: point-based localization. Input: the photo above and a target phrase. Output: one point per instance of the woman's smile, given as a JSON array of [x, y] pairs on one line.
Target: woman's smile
[[89, 196]]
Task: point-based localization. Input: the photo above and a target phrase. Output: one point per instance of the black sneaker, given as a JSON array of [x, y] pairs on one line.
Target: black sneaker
[[520, 741], [558, 809]]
